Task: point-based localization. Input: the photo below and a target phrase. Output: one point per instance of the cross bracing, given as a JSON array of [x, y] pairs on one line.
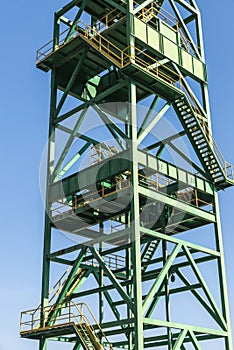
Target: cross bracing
[[133, 176]]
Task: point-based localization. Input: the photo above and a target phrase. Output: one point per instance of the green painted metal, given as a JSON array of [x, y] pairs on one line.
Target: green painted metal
[[135, 222], [156, 119], [129, 271]]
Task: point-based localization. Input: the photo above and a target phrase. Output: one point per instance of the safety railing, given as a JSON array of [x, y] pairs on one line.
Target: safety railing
[[153, 12], [131, 55], [191, 196], [156, 181], [69, 313], [56, 289], [159, 183], [99, 26], [156, 11], [51, 46], [227, 167], [121, 58], [102, 151], [113, 52], [90, 197], [113, 261], [93, 196], [108, 20]]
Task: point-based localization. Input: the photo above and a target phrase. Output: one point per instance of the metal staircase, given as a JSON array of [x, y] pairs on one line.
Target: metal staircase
[[207, 150], [89, 331], [147, 254], [69, 318]]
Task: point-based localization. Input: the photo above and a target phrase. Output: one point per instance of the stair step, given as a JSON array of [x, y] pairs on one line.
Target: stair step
[[184, 110], [197, 133], [200, 142], [198, 137], [187, 116], [192, 124], [191, 130], [212, 166], [214, 169], [189, 120], [212, 163], [207, 155], [204, 150]]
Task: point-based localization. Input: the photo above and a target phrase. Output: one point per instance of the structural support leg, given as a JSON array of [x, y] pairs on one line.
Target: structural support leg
[[136, 256], [222, 275]]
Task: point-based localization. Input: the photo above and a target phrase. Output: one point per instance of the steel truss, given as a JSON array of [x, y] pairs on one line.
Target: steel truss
[[138, 270]]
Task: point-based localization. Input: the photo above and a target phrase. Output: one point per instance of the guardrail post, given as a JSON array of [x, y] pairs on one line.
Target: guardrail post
[[69, 312]]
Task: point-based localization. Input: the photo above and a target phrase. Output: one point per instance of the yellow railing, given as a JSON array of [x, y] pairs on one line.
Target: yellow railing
[[69, 313], [129, 55], [158, 182], [102, 151], [91, 197], [113, 261], [191, 196], [59, 285], [108, 20], [114, 53], [55, 290], [50, 46], [100, 25], [154, 12]]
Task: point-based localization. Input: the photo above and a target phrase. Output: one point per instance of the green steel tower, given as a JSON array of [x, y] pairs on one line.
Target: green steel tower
[[147, 268]]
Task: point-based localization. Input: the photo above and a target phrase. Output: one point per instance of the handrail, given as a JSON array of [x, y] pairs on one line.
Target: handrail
[[107, 20], [158, 186], [94, 318], [155, 11], [68, 313], [102, 151], [100, 25], [193, 197], [60, 283], [113, 261], [100, 194]]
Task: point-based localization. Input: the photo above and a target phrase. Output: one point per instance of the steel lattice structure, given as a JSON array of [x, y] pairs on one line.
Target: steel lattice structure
[[126, 283]]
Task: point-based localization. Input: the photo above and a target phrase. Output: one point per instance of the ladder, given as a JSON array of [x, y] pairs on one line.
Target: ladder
[[148, 254]]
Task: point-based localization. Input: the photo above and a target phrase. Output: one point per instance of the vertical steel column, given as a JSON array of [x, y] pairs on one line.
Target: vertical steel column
[[135, 234], [47, 229], [101, 279], [222, 274]]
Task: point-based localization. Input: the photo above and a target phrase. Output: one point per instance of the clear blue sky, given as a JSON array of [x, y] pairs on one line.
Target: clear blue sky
[[25, 26]]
